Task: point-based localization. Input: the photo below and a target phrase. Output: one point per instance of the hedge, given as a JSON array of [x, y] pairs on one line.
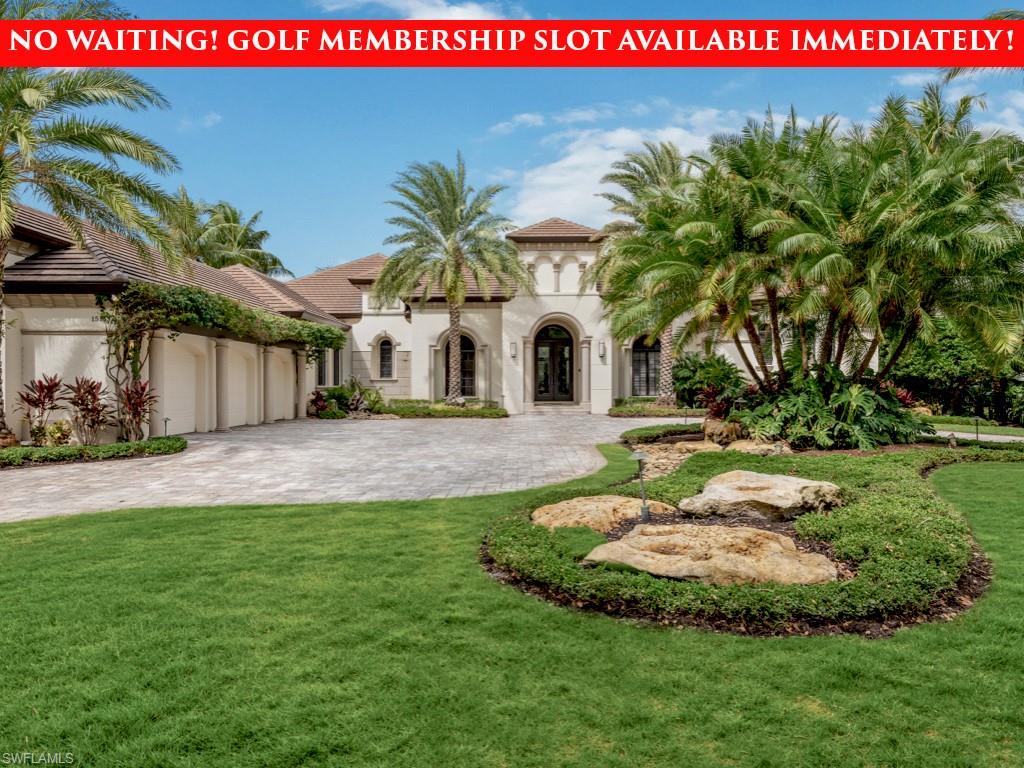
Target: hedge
[[638, 410], [907, 545], [423, 409], [157, 446], [651, 434]]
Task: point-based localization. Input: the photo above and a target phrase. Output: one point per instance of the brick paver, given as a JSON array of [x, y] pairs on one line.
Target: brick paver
[[311, 461]]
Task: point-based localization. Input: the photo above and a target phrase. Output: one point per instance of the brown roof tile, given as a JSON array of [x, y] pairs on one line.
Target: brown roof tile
[[332, 289], [554, 231], [277, 295]]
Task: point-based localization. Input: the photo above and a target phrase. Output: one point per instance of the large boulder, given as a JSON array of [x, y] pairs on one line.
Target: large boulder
[[760, 447], [696, 446], [722, 432], [716, 554], [753, 494], [602, 513]]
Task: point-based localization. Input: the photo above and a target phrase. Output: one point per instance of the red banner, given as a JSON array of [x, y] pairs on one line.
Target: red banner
[[580, 43]]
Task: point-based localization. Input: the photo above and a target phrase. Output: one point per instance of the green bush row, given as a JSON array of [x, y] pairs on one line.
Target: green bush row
[[653, 411], [907, 544], [157, 446], [958, 420], [650, 434], [410, 410]]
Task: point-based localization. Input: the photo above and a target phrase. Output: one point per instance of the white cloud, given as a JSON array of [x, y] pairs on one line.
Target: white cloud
[[522, 120], [585, 114], [916, 79], [470, 10], [566, 186], [209, 120]]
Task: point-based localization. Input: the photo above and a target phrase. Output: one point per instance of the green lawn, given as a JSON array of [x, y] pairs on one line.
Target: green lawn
[[967, 425], [358, 635]]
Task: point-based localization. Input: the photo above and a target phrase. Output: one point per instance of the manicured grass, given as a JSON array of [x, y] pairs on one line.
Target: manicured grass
[[967, 425], [358, 635]]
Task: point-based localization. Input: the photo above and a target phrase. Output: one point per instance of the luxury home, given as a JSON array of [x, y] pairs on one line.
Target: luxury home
[[529, 353]]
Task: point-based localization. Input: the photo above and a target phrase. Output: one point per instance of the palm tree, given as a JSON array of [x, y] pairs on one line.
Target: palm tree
[[646, 178], [1007, 14], [448, 235], [71, 160], [231, 238]]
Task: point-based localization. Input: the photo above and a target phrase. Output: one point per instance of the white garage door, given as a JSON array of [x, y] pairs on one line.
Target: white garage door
[[179, 395]]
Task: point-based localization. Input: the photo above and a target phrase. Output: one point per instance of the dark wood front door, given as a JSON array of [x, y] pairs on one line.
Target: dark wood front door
[[553, 365]]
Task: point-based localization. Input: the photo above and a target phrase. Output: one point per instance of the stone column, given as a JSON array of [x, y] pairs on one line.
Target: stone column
[[300, 383], [157, 376], [585, 377], [268, 385], [223, 391], [556, 268], [528, 383], [627, 371]]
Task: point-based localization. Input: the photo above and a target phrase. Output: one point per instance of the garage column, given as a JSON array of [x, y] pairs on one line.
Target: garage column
[[528, 371], [585, 378], [223, 390], [157, 378], [300, 383], [268, 385]]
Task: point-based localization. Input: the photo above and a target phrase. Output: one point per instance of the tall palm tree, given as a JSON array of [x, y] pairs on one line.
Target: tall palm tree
[[448, 235], [71, 160], [646, 179], [231, 238]]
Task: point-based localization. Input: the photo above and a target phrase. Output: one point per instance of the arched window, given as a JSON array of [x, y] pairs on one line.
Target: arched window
[[646, 358], [467, 366], [386, 353]]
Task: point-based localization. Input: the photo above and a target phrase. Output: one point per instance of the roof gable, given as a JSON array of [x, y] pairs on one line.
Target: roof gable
[[554, 230]]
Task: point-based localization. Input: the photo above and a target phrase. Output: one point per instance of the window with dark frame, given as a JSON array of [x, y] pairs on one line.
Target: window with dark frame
[[321, 369], [336, 360], [646, 359], [386, 351]]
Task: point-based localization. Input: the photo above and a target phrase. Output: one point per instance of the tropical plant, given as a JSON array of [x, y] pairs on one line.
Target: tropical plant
[[449, 238], [39, 400], [91, 412], [647, 179], [58, 433], [71, 159], [136, 400], [693, 373]]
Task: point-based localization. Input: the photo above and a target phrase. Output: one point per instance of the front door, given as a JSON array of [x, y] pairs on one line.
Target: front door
[[553, 365]]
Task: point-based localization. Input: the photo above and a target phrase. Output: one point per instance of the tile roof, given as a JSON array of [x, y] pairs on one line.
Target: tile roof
[[277, 295], [332, 289], [554, 231], [108, 262]]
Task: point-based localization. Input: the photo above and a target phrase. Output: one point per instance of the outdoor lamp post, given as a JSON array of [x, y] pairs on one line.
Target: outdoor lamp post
[[645, 512]]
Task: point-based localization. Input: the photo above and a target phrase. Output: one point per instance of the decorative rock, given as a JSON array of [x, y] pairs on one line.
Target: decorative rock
[[662, 459], [8, 439], [922, 410], [716, 554], [602, 513], [722, 432], [697, 446], [753, 494], [760, 448]]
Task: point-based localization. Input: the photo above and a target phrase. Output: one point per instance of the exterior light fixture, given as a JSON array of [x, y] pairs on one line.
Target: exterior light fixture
[[167, 420], [602, 350], [645, 512], [513, 350]]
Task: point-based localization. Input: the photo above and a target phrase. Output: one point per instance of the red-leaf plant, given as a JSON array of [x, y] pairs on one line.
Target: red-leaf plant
[[39, 399], [91, 411], [136, 399]]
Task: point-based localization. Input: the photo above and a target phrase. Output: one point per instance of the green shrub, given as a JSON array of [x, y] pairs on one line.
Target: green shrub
[[853, 416], [651, 434], [354, 395], [410, 410], [332, 413], [957, 420], [694, 373], [650, 410], [157, 446], [908, 546]]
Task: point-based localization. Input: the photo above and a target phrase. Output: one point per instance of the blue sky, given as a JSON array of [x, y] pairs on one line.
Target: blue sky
[[315, 149]]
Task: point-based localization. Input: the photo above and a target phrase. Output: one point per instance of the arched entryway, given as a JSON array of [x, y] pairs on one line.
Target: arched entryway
[[467, 366], [553, 365], [645, 361]]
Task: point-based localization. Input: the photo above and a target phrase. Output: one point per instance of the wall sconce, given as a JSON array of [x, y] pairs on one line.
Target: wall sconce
[[512, 350], [601, 350]]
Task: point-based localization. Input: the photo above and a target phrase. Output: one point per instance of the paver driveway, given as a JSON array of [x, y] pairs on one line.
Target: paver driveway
[[320, 461]]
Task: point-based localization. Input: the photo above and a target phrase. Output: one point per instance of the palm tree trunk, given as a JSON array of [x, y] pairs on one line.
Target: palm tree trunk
[[746, 361], [5, 431], [866, 360], [758, 347], [454, 396], [827, 338], [773, 318], [901, 347], [666, 384], [805, 363], [845, 329]]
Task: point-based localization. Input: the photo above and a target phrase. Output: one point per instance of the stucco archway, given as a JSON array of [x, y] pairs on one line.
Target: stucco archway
[[580, 358]]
